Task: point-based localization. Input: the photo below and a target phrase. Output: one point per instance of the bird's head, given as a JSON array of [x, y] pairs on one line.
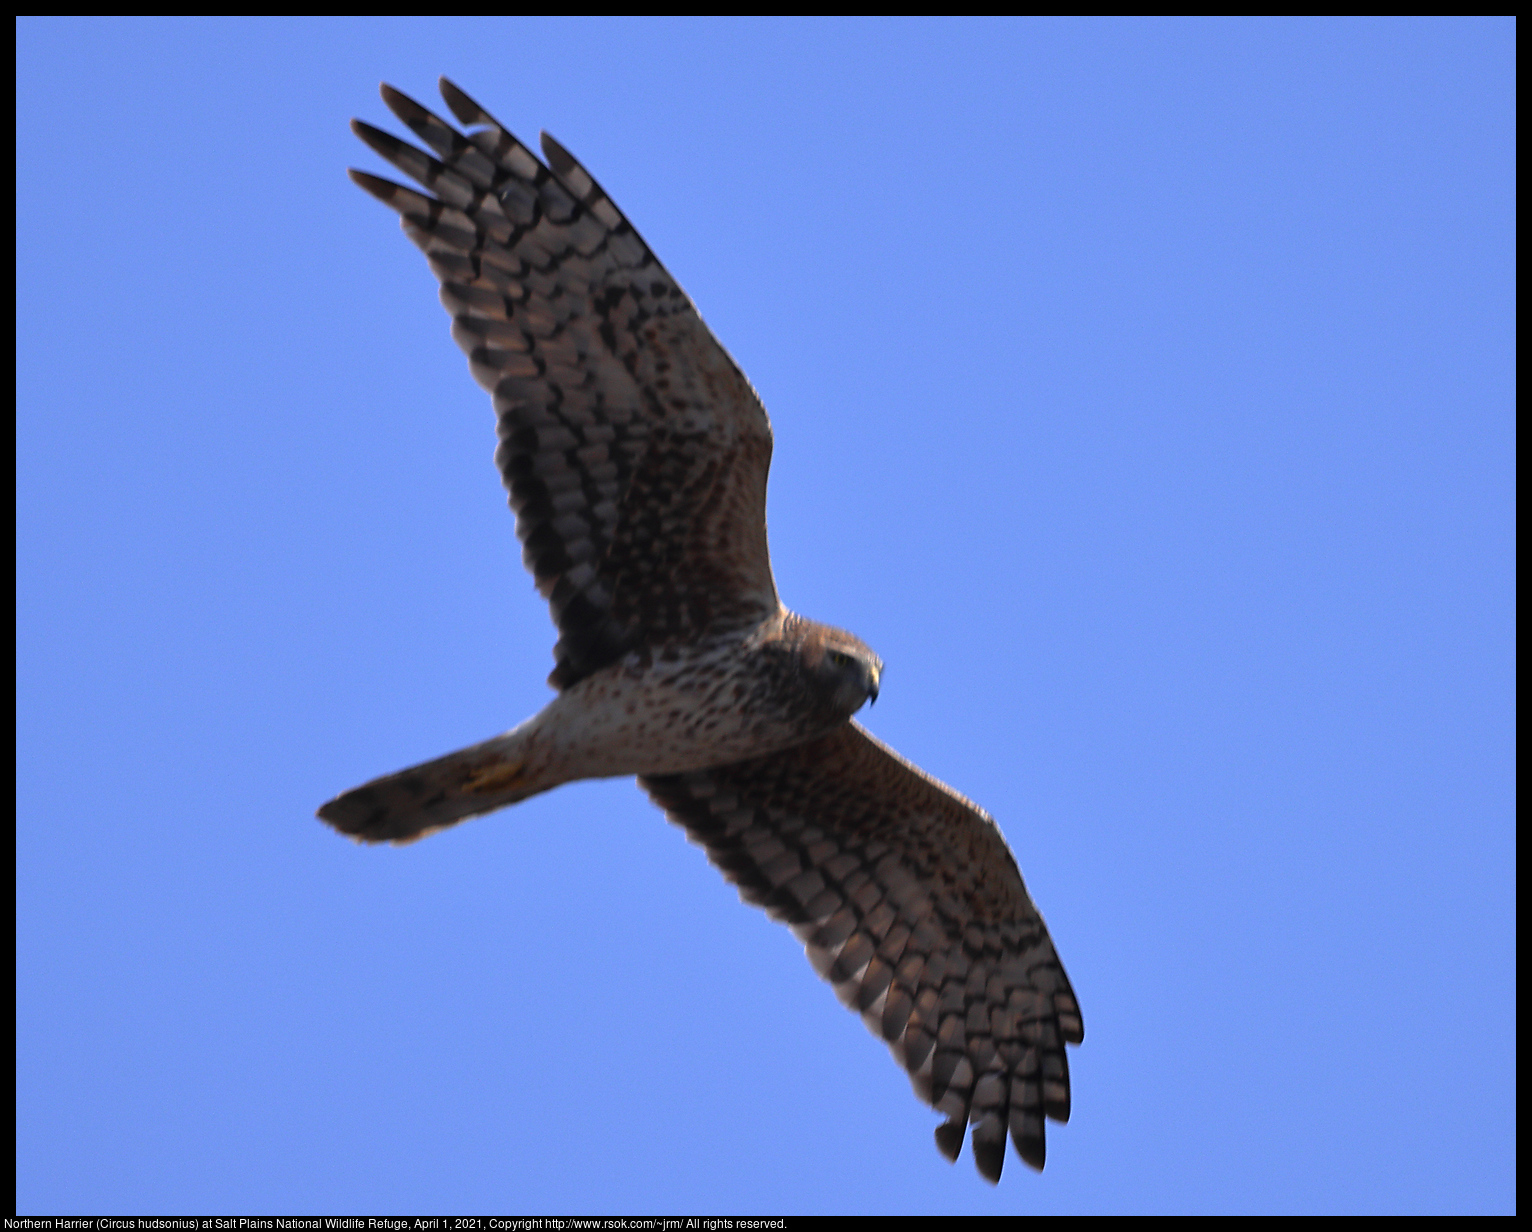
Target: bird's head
[[844, 670]]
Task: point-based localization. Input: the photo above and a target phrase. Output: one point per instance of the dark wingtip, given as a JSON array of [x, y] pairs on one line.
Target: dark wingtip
[[464, 108], [989, 1159], [560, 159], [380, 188], [394, 97], [1056, 1105], [949, 1140], [375, 138], [1033, 1150]]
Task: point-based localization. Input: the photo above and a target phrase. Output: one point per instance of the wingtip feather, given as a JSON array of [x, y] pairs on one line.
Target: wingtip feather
[[376, 185], [989, 1159], [949, 1140], [461, 105], [560, 159]]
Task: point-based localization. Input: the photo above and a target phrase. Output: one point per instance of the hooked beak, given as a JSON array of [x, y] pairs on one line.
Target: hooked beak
[[873, 674]]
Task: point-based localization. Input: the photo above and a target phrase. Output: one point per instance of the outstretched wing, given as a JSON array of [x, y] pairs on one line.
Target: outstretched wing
[[633, 447], [910, 903]]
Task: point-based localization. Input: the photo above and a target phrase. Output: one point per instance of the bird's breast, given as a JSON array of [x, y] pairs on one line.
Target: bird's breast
[[669, 712]]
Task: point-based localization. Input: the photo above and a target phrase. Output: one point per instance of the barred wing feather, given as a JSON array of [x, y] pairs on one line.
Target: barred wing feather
[[909, 902], [634, 449]]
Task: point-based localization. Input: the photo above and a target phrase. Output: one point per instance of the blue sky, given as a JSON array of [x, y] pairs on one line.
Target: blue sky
[[1143, 393]]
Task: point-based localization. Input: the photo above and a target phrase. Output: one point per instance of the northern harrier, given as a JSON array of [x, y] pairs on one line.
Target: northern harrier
[[635, 452]]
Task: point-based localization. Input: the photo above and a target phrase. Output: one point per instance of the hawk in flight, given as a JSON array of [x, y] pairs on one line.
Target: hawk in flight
[[635, 452]]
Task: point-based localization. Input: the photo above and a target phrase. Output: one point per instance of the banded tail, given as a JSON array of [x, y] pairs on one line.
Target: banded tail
[[409, 804]]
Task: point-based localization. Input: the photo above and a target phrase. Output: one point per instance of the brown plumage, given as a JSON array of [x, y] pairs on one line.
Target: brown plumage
[[635, 453]]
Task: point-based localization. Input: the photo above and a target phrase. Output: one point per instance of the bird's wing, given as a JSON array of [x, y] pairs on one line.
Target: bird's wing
[[634, 449], [909, 902]]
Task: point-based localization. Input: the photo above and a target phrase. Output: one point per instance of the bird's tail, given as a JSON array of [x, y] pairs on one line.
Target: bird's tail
[[402, 807]]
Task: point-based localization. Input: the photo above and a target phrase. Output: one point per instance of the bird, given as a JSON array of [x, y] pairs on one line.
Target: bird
[[635, 453]]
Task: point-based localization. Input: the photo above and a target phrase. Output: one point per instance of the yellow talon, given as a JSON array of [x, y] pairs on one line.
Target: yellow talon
[[497, 778]]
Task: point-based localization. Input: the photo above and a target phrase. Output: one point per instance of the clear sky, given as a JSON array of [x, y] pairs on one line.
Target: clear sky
[[1143, 394]]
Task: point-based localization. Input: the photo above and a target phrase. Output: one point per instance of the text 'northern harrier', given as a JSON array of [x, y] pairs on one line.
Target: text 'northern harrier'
[[635, 453]]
